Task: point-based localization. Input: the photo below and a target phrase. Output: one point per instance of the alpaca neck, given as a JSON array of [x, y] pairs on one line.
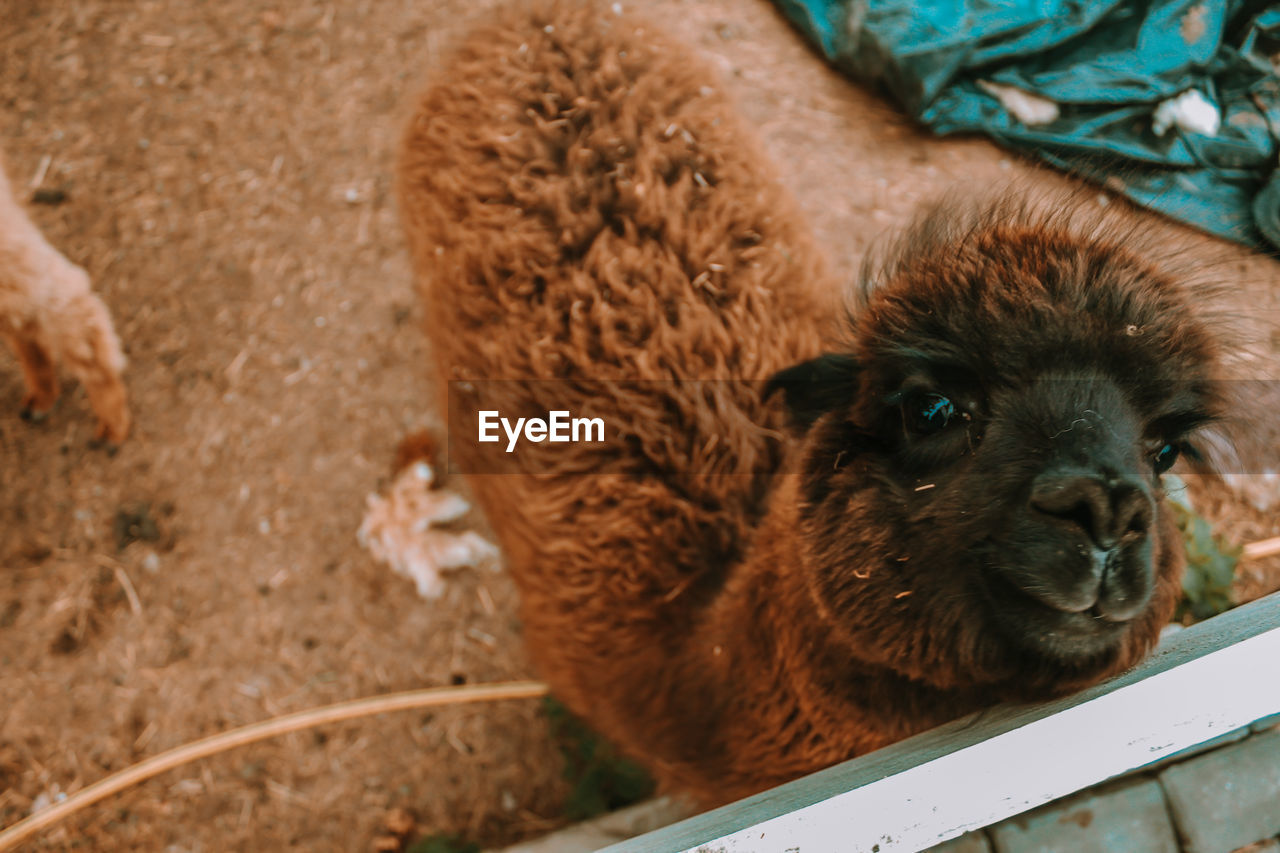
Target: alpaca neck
[[791, 695]]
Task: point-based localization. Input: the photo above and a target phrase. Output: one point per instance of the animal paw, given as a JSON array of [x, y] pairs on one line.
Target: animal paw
[[36, 406], [111, 432]]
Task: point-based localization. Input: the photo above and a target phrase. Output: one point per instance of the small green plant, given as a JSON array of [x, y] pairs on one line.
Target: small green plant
[[602, 779], [443, 843], [1211, 567]]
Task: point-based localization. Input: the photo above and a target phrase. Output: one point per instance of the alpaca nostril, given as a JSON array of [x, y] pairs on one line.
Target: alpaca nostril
[[1080, 501], [1108, 510], [1079, 512], [1132, 512]]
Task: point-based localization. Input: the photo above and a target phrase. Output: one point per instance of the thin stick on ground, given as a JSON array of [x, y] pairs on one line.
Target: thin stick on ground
[[1264, 548], [223, 741]]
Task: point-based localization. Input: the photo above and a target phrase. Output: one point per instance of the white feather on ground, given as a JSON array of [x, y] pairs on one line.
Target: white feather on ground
[[402, 530]]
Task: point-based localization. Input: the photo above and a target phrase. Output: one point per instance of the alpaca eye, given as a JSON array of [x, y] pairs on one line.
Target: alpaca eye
[[929, 413], [1165, 457]]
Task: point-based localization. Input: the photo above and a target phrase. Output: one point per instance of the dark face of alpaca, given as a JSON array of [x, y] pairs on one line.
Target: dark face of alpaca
[[981, 491]]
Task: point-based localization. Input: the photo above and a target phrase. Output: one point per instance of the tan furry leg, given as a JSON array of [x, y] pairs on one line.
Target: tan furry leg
[[50, 315], [38, 374], [82, 335]]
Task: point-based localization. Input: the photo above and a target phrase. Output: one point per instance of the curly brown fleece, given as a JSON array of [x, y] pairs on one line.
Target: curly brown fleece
[[582, 205]]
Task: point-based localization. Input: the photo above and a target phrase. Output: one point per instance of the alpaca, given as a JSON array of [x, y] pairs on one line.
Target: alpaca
[[49, 315], [807, 536]]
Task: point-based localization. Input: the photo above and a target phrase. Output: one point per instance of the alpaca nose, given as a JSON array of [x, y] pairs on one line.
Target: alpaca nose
[[1106, 508]]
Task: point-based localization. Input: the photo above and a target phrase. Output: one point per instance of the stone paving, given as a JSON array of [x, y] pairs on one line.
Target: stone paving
[[1202, 800]]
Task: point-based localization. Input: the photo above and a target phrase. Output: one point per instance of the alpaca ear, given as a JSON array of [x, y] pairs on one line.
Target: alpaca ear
[[812, 388]]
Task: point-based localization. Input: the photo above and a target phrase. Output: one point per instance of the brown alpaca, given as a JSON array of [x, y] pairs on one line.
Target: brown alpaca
[[957, 506], [49, 316]]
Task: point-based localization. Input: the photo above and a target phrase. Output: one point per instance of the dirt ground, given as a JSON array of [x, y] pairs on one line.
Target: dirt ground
[[227, 170]]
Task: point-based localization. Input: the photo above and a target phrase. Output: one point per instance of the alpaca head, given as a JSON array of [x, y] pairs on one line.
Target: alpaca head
[[980, 467]]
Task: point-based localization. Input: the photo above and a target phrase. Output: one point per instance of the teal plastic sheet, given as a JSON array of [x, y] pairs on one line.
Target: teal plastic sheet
[[1175, 104]]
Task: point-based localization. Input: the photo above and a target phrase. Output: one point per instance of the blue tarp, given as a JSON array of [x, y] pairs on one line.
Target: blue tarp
[[1102, 69]]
